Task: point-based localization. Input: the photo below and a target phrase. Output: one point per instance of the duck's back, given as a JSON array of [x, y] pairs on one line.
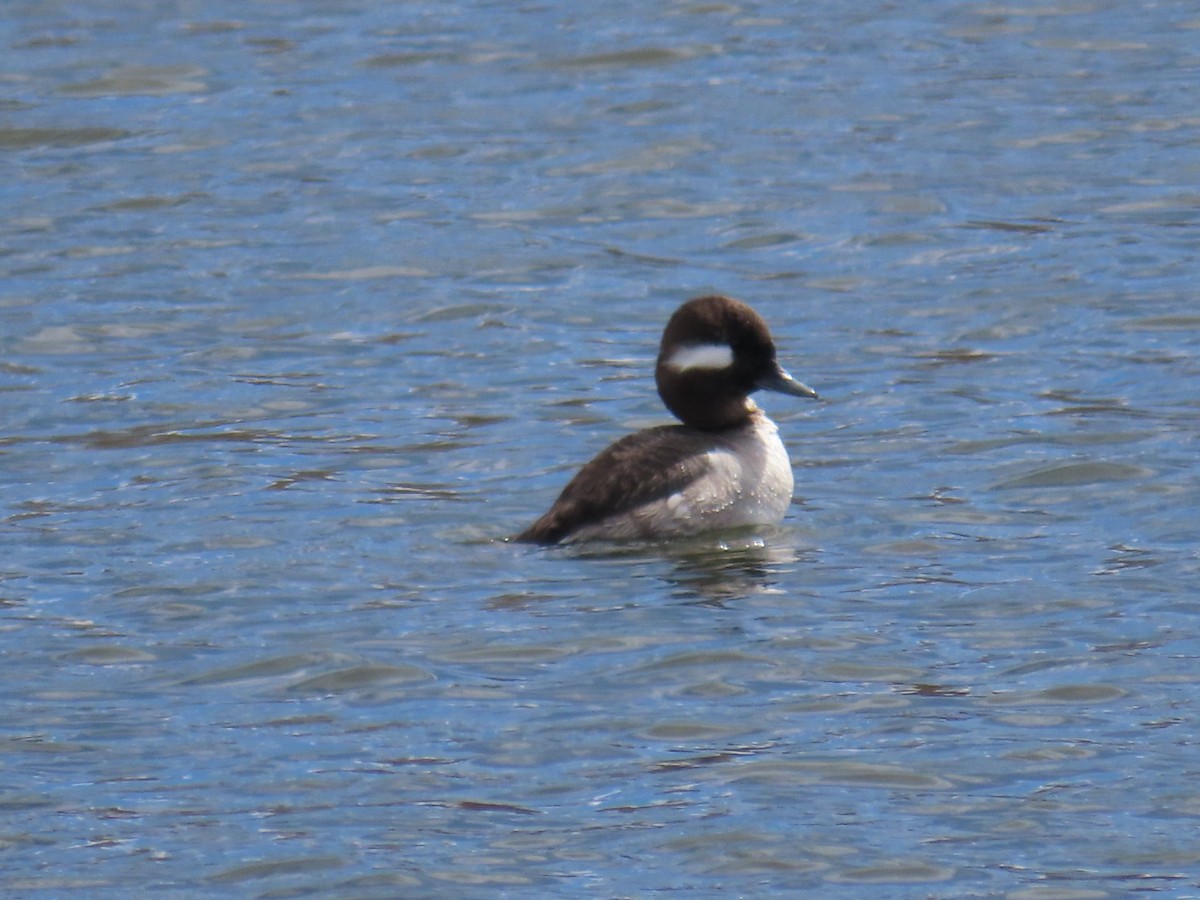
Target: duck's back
[[673, 480]]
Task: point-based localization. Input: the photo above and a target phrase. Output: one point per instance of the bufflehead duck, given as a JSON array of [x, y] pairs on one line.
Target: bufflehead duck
[[725, 466]]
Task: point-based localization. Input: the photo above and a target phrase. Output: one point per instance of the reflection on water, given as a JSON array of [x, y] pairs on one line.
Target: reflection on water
[[304, 309], [708, 569]]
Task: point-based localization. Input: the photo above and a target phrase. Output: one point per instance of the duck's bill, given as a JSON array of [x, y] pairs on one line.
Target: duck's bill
[[783, 383]]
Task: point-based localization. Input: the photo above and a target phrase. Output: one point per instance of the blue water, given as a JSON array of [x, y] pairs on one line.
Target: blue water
[[305, 307]]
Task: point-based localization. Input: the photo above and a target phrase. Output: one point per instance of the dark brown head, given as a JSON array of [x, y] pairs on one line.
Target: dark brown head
[[715, 352]]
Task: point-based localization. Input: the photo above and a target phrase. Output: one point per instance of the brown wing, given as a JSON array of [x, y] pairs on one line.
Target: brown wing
[[637, 469]]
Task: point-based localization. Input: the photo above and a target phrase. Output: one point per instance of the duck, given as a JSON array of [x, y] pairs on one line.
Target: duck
[[724, 466]]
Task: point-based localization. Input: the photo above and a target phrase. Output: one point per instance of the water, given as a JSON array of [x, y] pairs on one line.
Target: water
[[305, 306]]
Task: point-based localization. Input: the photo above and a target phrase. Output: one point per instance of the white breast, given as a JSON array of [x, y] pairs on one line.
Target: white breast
[[748, 481]]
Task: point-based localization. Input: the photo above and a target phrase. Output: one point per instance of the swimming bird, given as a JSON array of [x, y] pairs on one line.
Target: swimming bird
[[724, 467]]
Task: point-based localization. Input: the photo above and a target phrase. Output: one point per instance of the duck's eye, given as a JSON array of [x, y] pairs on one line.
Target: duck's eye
[[701, 356]]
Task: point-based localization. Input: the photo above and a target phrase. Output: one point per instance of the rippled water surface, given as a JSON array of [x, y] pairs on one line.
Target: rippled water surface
[[305, 306]]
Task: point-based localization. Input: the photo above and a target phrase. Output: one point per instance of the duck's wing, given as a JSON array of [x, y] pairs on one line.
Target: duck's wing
[[638, 469]]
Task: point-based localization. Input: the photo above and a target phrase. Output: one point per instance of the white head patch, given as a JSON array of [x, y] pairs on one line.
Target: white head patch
[[701, 356]]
